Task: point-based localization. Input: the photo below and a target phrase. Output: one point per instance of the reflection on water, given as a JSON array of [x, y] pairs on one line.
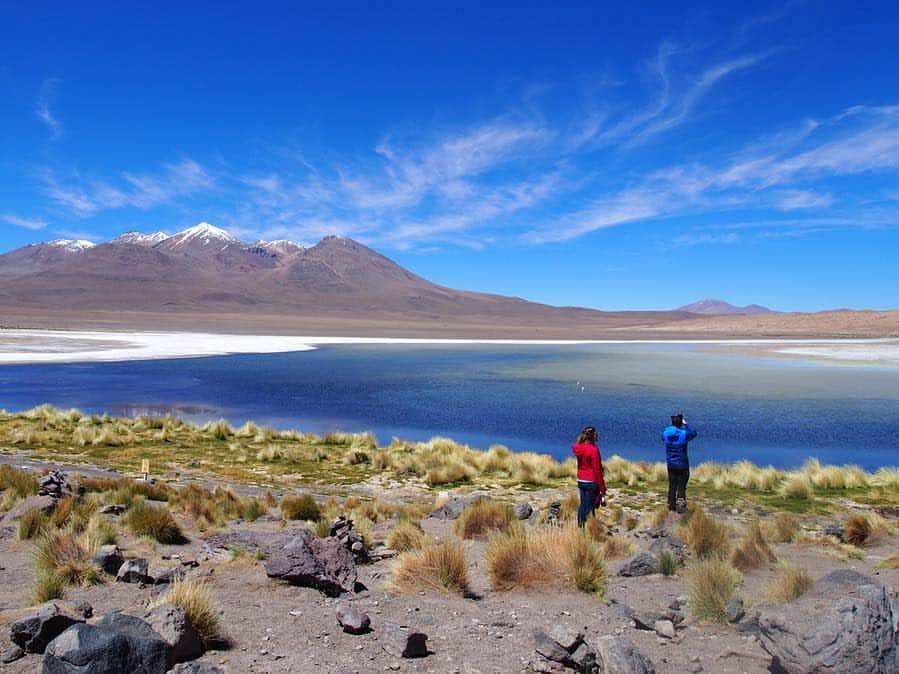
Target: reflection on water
[[770, 410]]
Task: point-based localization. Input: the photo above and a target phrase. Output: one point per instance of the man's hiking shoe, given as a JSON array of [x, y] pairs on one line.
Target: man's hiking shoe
[[681, 506]]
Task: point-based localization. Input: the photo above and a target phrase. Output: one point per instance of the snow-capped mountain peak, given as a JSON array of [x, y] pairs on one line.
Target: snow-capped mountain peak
[[72, 245], [139, 239], [282, 245], [203, 234]]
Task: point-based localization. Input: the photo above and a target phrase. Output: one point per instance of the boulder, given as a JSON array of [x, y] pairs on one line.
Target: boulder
[[734, 610], [11, 654], [172, 624], [113, 509], [94, 649], [109, 558], [402, 642], [163, 575], [845, 623], [55, 484], [352, 620], [196, 668], [134, 571], [47, 504], [641, 564], [566, 646], [295, 555], [456, 506], [523, 511], [617, 655], [664, 628], [583, 659], [33, 632], [677, 547]]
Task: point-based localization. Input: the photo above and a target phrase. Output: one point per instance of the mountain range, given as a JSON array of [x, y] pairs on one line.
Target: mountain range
[[206, 271], [722, 308]]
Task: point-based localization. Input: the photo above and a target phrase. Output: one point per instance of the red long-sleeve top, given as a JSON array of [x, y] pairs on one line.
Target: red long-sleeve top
[[589, 465]]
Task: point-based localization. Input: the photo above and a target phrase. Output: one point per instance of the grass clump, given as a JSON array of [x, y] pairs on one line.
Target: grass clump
[[858, 530], [797, 486], [753, 550], [301, 507], [153, 522], [407, 536], [19, 483], [617, 547], [668, 562], [792, 583], [195, 598], [441, 567], [785, 528], [32, 523], [713, 582], [47, 587], [889, 563], [483, 518], [554, 557], [706, 536], [63, 554]]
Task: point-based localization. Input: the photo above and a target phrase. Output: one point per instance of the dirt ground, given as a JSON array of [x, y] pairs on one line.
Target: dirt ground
[[270, 626]]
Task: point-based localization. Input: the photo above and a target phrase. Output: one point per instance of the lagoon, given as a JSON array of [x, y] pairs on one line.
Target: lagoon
[[754, 405]]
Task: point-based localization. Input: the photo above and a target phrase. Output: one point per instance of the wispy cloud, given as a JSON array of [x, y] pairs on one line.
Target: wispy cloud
[[43, 111], [179, 179], [27, 223]]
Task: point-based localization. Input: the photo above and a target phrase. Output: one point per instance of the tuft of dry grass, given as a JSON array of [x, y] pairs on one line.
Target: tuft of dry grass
[[792, 583], [554, 557], [441, 567], [301, 507], [785, 529], [47, 587], [858, 530], [63, 554], [597, 529], [17, 483], [797, 486], [713, 582], [668, 562], [706, 536], [889, 563], [484, 518], [407, 536], [617, 547], [195, 598], [154, 522], [32, 523], [753, 550]]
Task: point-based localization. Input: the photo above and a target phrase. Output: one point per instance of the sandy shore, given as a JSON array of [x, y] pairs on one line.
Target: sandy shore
[[57, 346]]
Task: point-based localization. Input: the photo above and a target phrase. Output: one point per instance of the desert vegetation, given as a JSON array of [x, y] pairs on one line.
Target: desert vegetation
[[713, 582], [441, 567]]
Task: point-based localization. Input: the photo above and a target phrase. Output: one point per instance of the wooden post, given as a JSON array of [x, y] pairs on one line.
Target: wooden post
[[145, 469]]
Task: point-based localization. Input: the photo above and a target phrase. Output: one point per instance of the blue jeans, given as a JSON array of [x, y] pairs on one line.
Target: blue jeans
[[589, 492]]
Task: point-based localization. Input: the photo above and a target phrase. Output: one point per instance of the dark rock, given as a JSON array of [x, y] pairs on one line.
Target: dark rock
[[352, 620], [172, 624], [677, 547], [109, 558], [402, 642], [55, 484], [549, 648], [584, 659], [845, 623], [296, 556], [646, 620], [94, 649], [553, 515], [456, 506], [85, 609], [12, 654], [134, 571], [342, 530], [734, 609], [617, 655], [523, 511], [641, 564], [835, 529], [163, 575], [39, 628], [113, 509]]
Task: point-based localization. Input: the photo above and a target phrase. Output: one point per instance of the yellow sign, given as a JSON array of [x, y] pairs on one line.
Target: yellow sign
[[145, 466]]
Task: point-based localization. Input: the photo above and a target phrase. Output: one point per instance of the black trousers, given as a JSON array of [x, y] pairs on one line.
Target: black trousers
[[677, 486]]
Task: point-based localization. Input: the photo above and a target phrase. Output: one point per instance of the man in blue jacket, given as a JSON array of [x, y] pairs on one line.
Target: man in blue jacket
[[676, 437]]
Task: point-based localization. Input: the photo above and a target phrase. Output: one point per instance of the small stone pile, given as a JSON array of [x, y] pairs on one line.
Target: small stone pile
[[554, 514], [567, 647], [342, 530], [54, 484]]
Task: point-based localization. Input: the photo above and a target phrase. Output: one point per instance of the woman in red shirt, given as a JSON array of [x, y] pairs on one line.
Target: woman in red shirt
[[589, 474]]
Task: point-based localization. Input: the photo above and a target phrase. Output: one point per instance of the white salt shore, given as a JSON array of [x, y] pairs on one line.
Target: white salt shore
[[58, 346]]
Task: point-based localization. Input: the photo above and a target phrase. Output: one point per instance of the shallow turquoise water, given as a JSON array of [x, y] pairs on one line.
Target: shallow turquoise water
[[769, 410]]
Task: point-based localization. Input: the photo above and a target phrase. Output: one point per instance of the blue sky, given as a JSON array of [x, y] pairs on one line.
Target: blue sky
[[594, 154]]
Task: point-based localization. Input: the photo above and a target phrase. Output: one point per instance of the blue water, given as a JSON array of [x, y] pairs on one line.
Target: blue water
[[769, 410]]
